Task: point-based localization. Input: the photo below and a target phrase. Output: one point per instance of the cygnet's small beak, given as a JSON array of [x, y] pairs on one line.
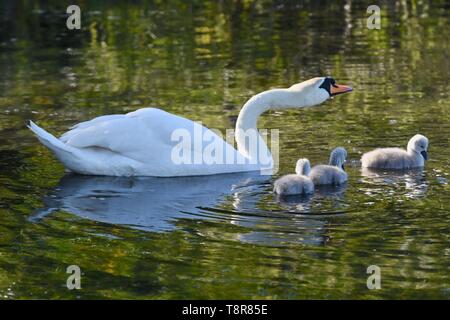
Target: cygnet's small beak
[[339, 88], [424, 154]]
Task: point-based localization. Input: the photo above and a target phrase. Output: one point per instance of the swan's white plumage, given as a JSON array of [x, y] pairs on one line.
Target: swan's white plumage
[[142, 143], [136, 144]]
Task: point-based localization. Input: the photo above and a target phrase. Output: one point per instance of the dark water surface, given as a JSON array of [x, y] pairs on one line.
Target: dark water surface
[[225, 236]]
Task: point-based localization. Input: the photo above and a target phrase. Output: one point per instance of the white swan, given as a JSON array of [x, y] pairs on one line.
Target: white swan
[[396, 158], [298, 183], [141, 143], [333, 173]]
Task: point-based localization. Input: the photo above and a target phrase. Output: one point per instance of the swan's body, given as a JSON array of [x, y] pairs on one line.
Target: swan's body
[[152, 142], [135, 144], [333, 173], [396, 158], [298, 183]]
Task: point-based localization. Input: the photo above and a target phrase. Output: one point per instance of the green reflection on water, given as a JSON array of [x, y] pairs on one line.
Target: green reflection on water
[[202, 60]]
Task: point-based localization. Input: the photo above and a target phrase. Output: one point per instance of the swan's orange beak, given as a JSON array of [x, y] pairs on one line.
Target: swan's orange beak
[[339, 88]]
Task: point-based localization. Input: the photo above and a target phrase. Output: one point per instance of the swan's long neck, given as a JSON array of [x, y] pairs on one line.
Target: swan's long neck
[[248, 118]]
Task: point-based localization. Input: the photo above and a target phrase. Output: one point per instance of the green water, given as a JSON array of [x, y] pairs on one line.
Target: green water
[[225, 236]]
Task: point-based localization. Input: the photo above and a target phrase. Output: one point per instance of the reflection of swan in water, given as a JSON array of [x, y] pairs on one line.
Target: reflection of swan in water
[[146, 203], [413, 180], [153, 204]]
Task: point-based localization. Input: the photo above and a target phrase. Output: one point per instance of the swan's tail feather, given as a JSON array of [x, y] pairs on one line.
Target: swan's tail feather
[[60, 149]]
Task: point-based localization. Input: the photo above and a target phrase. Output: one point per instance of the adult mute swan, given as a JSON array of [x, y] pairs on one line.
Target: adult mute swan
[[152, 142], [298, 183], [396, 158], [333, 173]]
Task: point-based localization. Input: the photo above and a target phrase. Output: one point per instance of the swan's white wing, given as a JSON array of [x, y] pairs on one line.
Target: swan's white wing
[[145, 135], [86, 124]]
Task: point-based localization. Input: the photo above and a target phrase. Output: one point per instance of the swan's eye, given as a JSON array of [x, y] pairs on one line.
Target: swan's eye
[[327, 83], [333, 82]]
